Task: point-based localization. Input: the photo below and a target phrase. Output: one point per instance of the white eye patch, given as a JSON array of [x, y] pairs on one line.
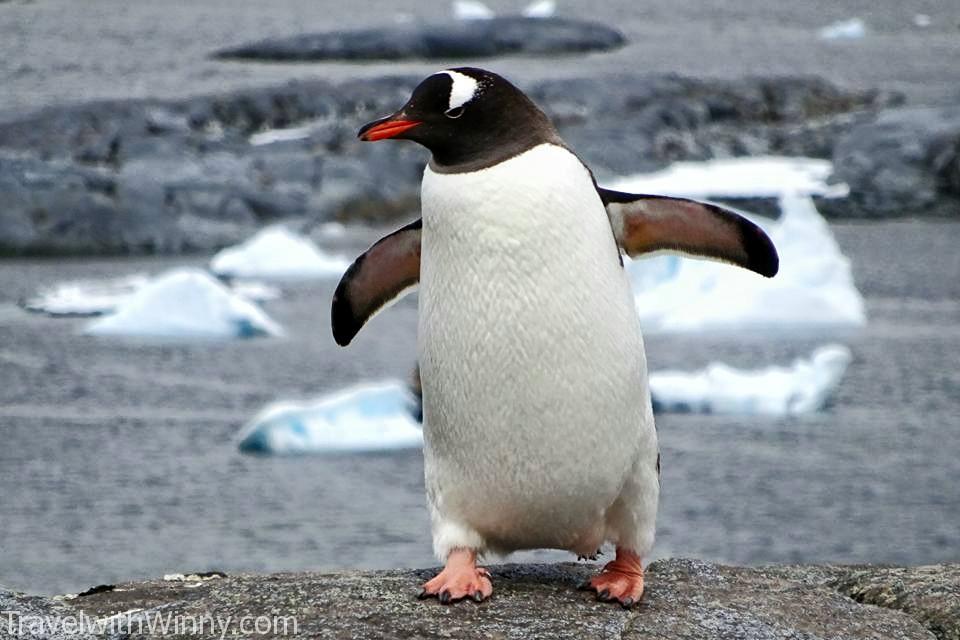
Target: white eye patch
[[463, 89]]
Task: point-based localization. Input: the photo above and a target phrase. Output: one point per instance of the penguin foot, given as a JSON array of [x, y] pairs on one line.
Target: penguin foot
[[461, 578], [620, 580]]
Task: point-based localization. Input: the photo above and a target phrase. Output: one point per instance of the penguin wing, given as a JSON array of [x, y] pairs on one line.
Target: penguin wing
[[644, 223], [381, 275]]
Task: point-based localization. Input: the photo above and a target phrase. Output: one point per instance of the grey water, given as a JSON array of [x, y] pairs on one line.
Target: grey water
[[118, 458]]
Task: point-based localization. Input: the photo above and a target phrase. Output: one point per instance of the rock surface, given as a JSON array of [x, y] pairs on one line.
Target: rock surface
[[502, 35], [155, 176], [904, 160], [684, 599]]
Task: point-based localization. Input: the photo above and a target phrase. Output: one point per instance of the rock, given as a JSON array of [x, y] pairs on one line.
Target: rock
[[928, 594], [903, 160], [24, 617], [466, 39], [684, 599], [151, 176]]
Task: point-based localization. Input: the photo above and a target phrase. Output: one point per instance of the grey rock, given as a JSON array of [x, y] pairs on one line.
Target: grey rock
[[133, 176], [684, 599], [467, 39], [34, 618], [904, 160]]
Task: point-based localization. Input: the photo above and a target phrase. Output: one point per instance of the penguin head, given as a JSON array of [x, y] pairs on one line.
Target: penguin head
[[464, 116]]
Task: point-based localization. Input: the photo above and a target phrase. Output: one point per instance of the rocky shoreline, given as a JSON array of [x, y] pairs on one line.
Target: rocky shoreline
[[684, 599], [154, 176]]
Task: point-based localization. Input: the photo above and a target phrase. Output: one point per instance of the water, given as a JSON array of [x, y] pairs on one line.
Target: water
[[118, 457]]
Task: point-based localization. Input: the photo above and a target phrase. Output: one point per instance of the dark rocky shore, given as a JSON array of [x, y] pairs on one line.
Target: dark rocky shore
[[684, 599], [501, 35], [153, 176]]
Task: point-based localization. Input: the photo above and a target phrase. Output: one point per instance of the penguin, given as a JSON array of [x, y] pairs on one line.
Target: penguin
[[538, 425]]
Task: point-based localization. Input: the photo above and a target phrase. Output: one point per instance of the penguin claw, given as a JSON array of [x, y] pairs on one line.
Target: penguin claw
[[619, 581], [460, 579]]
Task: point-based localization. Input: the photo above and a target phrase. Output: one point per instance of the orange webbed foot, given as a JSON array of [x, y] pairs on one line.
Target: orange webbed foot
[[620, 580], [461, 578]]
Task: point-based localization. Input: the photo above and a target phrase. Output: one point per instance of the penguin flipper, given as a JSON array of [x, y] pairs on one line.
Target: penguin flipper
[[645, 223], [381, 275]]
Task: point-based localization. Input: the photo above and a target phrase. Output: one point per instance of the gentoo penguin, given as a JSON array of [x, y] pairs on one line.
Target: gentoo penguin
[[538, 428]]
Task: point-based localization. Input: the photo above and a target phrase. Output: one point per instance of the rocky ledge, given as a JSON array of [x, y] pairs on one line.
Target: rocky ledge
[[684, 599], [152, 176]]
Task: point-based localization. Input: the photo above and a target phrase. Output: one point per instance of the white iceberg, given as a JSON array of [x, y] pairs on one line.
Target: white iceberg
[[370, 417], [277, 253], [185, 303], [97, 297], [85, 297], [813, 290], [803, 387], [757, 176], [471, 10], [271, 136], [852, 29], [540, 9]]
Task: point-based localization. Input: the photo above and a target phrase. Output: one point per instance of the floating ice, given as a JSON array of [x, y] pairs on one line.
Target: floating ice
[[758, 176], [814, 288], [85, 297], [255, 290], [922, 20], [276, 252], [851, 29], [370, 417], [540, 9], [185, 303], [271, 136], [97, 297], [803, 387], [471, 10]]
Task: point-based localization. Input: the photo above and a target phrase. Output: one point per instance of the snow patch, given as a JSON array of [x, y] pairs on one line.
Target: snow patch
[[471, 10], [185, 303], [852, 29], [277, 253], [540, 9], [814, 288], [757, 176], [368, 417], [803, 387]]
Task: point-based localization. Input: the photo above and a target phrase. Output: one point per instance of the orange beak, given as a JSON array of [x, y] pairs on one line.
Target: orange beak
[[389, 127]]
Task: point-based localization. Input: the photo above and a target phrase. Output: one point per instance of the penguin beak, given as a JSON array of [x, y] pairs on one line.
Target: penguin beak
[[389, 127]]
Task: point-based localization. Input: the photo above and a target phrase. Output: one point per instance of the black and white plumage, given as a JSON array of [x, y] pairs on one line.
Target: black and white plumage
[[538, 426]]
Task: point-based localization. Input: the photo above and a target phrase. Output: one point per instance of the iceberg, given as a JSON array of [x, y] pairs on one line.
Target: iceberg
[[751, 177], [852, 29], [813, 290], [85, 297], [185, 303], [368, 417], [803, 387], [97, 297], [277, 253]]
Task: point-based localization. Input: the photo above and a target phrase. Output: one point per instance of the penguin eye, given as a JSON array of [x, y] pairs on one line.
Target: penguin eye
[[454, 113]]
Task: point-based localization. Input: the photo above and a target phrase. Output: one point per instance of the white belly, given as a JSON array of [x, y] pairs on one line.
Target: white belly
[[534, 377]]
